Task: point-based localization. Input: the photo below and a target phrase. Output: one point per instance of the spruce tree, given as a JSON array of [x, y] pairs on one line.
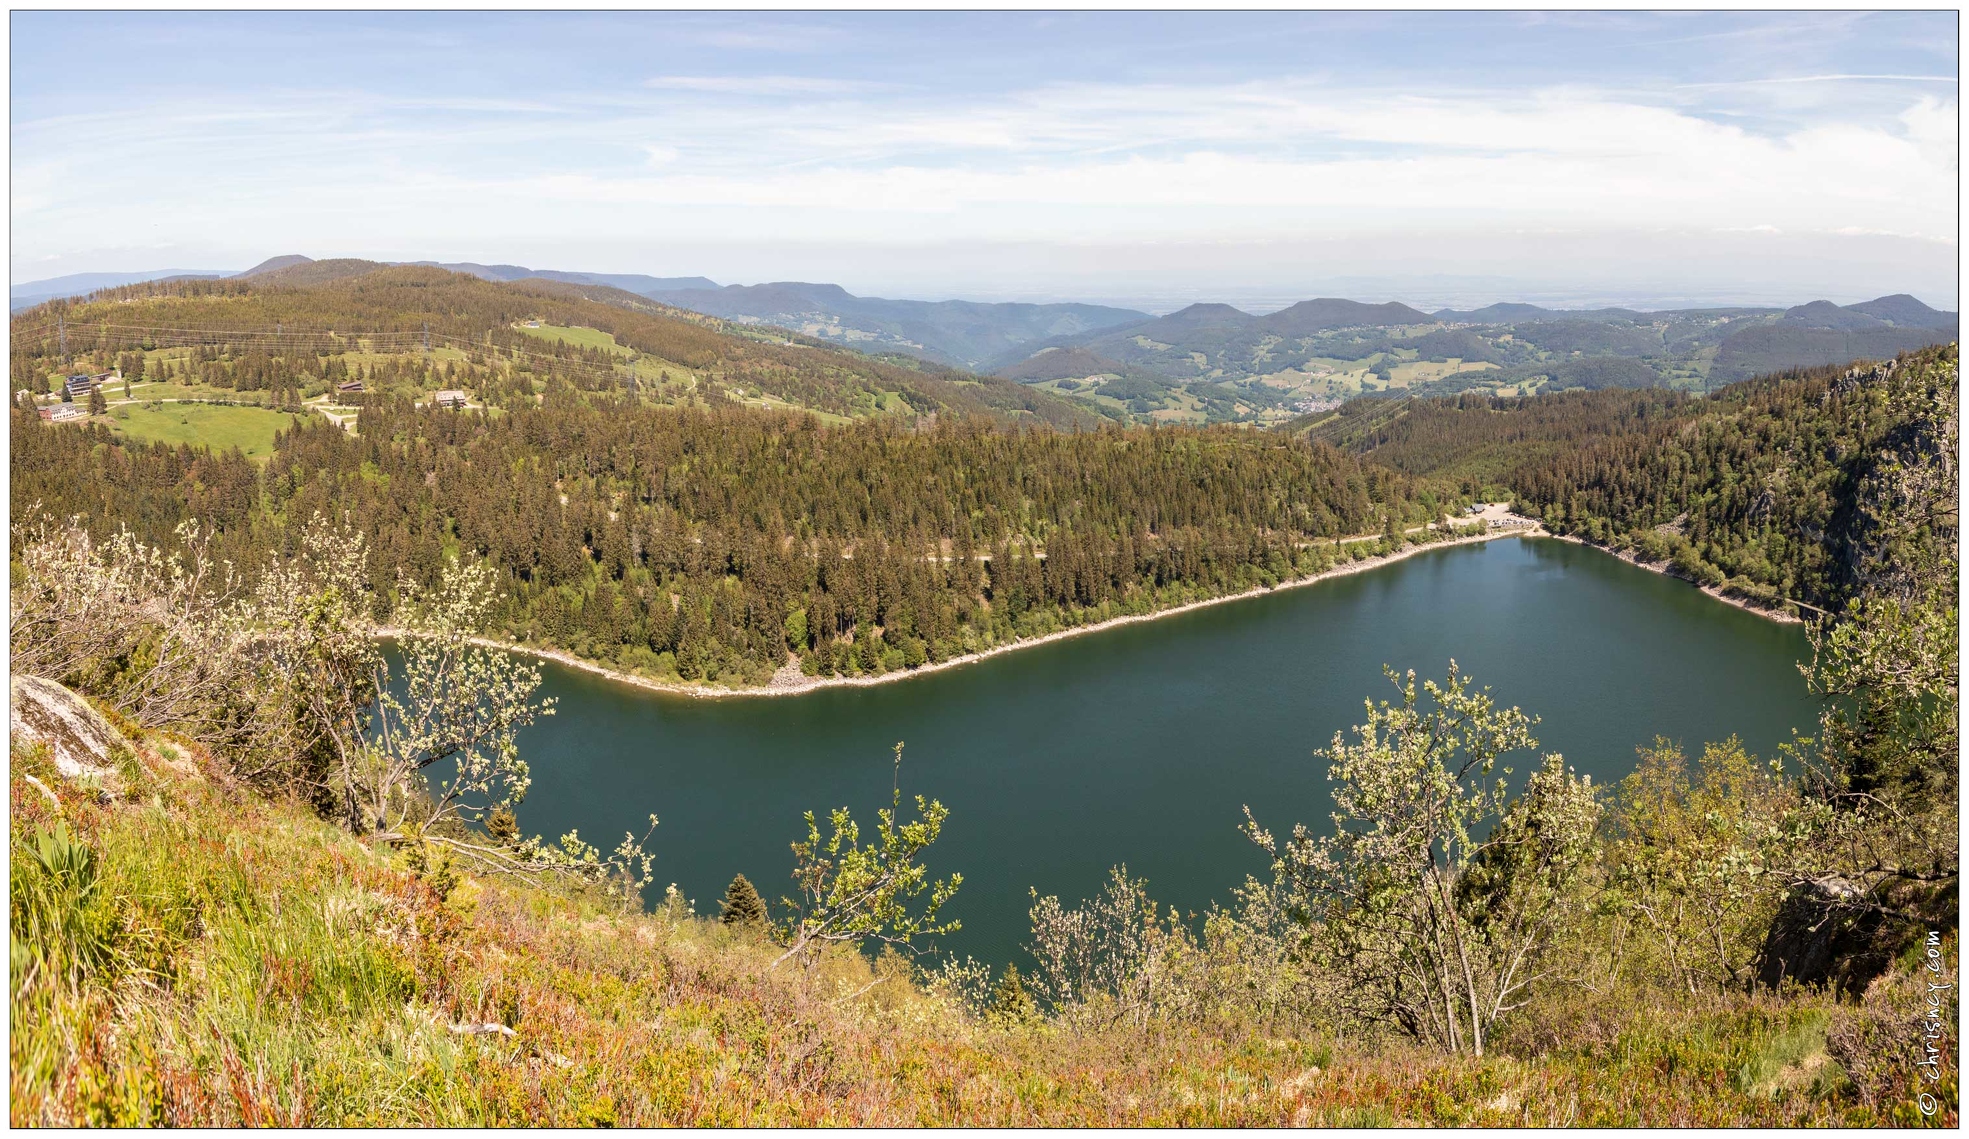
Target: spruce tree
[[742, 904], [1009, 997]]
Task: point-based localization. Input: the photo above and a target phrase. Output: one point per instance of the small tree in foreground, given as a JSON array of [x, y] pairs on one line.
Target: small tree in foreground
[[850, 892], [441, 745], [1684, 857], [1009, 999], [742, 904], [1437, 895], [158, 634], [1114, 958]]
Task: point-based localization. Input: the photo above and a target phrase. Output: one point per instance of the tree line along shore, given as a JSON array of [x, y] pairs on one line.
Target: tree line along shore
[[264, 872]]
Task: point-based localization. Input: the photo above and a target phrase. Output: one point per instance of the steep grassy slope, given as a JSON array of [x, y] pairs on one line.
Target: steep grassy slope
[[186, 954]]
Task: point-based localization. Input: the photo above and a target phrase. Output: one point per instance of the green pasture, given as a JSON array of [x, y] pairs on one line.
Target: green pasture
[[580, 337], [251, 429]]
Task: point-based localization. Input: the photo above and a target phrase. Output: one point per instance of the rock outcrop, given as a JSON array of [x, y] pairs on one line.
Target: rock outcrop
[[79, 739], [1829, 933]]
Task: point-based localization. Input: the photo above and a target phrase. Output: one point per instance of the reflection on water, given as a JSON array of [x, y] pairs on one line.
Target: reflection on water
[[1141, 744]]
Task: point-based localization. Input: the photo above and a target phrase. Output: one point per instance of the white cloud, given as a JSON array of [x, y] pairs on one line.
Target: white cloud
[[1933, 125], [1950, 79], [759, 84], [700, 158], [1568, 157]]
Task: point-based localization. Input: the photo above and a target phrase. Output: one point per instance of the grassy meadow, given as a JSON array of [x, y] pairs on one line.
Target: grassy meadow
[[251, 429], [579, 337]]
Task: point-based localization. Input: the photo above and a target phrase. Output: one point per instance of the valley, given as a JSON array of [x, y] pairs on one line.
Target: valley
[[1609, 655], [1103, 609], [984, 568], [452, 506], [1212, 363]]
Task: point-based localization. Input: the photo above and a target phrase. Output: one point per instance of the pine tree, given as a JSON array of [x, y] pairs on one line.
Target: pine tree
[[97, 404], [742, 904], [502, 825], [1009, 997]]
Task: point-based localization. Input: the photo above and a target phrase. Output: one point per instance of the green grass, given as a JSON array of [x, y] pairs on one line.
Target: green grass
[[582, 337], [188, 953], [161, 390], [251, 429]]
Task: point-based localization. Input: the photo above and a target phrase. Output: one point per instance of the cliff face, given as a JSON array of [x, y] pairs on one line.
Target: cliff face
[[1898, 518]]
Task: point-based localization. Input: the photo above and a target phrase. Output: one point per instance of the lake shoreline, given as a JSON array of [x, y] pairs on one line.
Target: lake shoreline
[[789, 681], [1756, 608]]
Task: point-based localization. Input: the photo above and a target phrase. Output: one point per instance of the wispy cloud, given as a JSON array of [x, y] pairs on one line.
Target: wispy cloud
[[1949, 79], [895, 135], [761, 84], [758, 35], [1187, 160]]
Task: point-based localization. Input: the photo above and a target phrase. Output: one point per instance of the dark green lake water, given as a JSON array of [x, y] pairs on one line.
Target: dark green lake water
[[1140, 744]]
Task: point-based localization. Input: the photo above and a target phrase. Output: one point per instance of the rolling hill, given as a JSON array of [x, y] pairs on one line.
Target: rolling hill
[[1214, 362], [290, 330], [1266, 368], [1328, 313], [1819, 333], [1063, 364], [27, 294], [962, 333], [957, 333]]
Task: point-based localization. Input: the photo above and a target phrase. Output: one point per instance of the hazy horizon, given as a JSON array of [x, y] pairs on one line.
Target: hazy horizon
[[1143, 159], [1443, 292]]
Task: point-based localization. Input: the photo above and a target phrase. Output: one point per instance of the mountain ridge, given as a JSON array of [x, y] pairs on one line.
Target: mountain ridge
[[961, 333], [1368, 346]]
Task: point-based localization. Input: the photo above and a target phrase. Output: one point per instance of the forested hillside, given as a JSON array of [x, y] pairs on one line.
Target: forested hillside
[[297, 331], [236, 898], [247, 902], [1766, 487], [1214, 362], [706, 543], [1482, 439]]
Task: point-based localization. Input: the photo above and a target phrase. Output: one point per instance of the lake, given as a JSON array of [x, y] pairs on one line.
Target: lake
[[1141, 744]]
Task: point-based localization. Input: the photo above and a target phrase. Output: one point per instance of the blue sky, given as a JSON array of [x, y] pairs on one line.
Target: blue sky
[[1149, 158]]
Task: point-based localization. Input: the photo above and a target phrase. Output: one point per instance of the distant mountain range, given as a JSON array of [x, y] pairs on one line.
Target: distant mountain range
[[30, 293], [1217, 361], [959, 333], [1220, 344]]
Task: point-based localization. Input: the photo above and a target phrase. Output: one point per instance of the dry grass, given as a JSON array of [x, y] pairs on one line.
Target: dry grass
[[239, 962]]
